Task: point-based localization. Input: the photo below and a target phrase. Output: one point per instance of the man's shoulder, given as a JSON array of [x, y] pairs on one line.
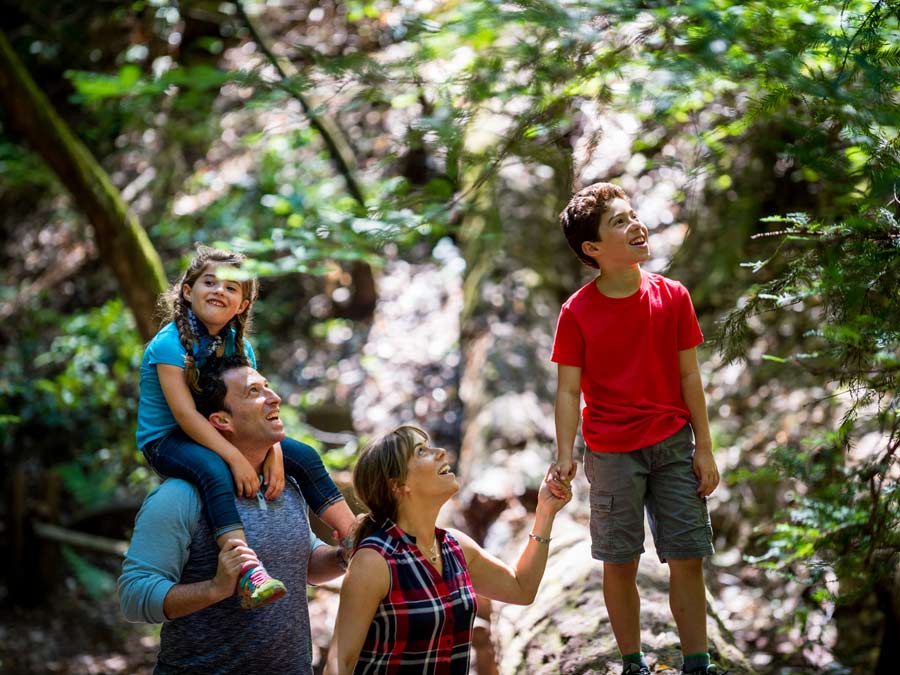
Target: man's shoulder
[[175, 498], [175, 488]]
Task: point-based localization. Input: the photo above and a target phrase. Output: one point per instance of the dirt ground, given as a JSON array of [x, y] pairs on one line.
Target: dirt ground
[[77, 636], [80, 635]]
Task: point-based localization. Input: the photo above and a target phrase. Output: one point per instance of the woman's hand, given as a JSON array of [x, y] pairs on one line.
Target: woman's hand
[[554, 494]]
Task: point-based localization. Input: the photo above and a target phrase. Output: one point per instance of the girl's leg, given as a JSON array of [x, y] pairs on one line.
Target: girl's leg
[[304, 465], [177, 456]]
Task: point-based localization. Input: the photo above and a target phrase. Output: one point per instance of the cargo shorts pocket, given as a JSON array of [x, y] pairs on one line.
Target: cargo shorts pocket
[[602, 523]]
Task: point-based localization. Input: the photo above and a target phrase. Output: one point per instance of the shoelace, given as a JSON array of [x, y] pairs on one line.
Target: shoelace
[[258, 576]]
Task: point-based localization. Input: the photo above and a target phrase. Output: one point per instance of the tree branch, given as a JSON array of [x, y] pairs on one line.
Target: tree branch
[[338, 147], [81, 539]]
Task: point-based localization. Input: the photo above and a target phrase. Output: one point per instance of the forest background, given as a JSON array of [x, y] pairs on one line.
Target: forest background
[[395, 170]]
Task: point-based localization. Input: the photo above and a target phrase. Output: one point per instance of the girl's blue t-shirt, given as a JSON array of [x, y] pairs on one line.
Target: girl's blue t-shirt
[[155, 419]]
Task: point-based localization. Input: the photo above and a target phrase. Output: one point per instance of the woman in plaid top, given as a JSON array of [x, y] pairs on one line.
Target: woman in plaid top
[[408, 599]]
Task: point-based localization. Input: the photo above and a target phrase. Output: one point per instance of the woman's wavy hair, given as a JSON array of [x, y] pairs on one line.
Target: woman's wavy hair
[[173, 307], [381, 466]]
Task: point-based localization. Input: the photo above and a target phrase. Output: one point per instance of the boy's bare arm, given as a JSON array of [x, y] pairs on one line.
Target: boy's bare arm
[[568, 408], [692, 391]]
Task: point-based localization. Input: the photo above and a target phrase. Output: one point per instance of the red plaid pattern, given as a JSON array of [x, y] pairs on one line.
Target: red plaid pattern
[[424, 625]]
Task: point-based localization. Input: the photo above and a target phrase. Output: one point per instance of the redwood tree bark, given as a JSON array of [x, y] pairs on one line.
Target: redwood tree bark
[[122, 242]]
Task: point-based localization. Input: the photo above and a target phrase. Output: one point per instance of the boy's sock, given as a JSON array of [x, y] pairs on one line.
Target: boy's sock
[[632, 663], [696, 663]]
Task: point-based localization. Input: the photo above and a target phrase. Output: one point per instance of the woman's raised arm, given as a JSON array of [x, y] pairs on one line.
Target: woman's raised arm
[[493, 578]]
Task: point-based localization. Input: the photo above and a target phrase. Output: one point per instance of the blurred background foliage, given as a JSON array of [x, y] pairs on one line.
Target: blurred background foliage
[[760, 140]]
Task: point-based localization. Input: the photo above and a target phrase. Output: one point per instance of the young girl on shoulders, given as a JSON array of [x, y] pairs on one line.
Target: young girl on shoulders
[[209, 315]]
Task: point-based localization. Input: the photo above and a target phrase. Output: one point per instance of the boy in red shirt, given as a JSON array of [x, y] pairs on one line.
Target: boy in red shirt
[[627, 342]]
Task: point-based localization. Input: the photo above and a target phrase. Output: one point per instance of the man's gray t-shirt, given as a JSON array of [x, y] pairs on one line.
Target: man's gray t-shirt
[[221, 639]]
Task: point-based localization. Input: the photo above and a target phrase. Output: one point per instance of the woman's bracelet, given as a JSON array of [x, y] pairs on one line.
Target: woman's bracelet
[[539, 539]]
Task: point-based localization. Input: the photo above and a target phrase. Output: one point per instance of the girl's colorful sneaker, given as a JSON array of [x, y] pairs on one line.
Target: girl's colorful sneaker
[[257, 588]]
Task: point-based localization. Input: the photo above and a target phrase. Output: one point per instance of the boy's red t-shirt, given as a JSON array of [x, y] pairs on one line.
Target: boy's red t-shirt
[[627, 349]]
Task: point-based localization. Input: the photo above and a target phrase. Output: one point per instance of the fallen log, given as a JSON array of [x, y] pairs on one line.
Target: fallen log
[[92, 542]]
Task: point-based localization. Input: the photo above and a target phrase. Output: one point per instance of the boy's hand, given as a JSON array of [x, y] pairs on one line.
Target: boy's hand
[[246, 481], [564, 470], [554, 494], [273, 472], [706, 471], [559, 478]]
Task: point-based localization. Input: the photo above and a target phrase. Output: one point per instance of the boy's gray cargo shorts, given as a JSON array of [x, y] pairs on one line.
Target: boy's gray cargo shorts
[[659, 478]]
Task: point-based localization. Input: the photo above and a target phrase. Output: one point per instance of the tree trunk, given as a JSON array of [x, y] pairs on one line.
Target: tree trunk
[[122, 242]]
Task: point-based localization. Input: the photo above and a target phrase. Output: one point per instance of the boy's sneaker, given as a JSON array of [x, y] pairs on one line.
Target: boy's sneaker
[[257, 588], [635, 669], [711, 669]]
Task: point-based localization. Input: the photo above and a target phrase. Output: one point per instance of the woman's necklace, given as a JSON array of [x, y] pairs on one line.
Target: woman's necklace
[[432, 552]]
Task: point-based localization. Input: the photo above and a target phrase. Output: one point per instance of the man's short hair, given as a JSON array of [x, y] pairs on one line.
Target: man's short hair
[[210, 397], [580, 220]]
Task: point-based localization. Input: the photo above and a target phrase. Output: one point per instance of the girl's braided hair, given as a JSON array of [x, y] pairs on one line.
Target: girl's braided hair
[[173, 307]]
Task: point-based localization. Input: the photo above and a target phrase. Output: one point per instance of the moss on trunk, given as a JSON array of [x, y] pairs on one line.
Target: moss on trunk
[[122, 242]]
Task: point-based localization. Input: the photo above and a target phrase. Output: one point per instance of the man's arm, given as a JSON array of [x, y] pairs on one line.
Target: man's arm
[[184, 599], [325, 562], [148, 587], [692, 392], [159, 548]]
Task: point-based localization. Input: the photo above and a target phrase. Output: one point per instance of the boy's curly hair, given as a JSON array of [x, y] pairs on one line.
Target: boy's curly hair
[[580, 220]]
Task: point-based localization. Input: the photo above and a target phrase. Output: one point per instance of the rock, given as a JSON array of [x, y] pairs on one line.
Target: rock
[[566, 630]]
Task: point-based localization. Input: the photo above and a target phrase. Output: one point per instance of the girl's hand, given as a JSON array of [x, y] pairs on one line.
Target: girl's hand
[[246, 481], [273, 472]]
